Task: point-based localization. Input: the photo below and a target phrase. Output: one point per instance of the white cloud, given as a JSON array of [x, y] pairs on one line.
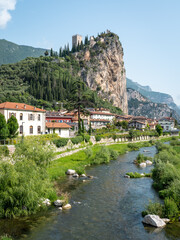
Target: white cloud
[[5, 7]]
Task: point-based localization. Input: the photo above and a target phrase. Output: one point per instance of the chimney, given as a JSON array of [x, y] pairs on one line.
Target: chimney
[[34, 108], [16, 106], [24, 106]]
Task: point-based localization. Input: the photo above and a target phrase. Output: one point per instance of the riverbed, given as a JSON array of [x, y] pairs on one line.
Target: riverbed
[[107, 207]]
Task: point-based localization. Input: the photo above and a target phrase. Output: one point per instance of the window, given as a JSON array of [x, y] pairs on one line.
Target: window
[[31, 129], [10, 114], [21, 117], [31, 117], [39, 129], [21, 129], [39, 117]]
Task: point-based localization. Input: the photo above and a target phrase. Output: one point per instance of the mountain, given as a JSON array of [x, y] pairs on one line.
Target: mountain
[[156, 97], [102, 68], [12, 53], [49, 81], [140, 105]]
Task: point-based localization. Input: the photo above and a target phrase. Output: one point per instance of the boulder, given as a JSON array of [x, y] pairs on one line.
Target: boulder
[[46, 202], [166, 220], [70, 172], [75, 175], [126, 176], [83, 175], [58, 203], [142, 165], [67, 206], [153, 220], [148, 162]]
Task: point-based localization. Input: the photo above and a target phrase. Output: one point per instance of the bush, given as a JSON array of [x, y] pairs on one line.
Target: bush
[[170, 208], [154, 208], [86, 138], [4, 151], [77, 139], [103, 156], [98, 138], [133, 147], [88, 152], [142, 158], [138, 175], [61, 142], [22, 186], [113, 154]]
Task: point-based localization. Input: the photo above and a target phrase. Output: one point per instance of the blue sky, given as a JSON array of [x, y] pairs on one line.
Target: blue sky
[[148, 29]]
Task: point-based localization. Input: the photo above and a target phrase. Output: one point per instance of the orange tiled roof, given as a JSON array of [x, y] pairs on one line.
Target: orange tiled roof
[[99, 120], [102, 113], [57, 125], [20, 106]]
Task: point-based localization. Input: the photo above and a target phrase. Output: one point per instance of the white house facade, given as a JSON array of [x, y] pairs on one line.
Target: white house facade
[[167, 123], [31, 120], [62, 129], [102, 115]]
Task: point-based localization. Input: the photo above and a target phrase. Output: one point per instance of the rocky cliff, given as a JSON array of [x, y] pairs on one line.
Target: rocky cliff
[[102, 68], [140, 105]]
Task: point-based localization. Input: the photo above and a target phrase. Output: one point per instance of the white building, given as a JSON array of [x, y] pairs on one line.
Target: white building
[[167, 123], [102, 115], [31, 120], [62, 129]]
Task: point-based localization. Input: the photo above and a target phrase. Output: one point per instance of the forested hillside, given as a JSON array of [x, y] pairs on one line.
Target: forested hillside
[[12, 53], [46, 81]]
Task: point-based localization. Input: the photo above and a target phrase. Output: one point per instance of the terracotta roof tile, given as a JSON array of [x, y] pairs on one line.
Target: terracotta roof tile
[[57, 125], [20, 106]]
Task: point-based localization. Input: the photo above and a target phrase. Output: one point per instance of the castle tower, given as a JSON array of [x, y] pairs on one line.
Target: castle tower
[[76, 39]]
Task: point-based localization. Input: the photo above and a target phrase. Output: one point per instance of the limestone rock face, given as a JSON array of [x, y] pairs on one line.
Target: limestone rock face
[[103, 69]]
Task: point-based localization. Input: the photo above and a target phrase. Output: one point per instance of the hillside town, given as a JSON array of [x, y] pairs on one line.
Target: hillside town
[[35, 121]]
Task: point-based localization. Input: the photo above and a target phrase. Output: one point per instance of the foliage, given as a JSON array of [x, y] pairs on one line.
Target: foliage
[[138, 175], [133, 146], [77, 139], [88, 151], [13, 126], [142, 158], [98, 138], [22, 186], [103, 156], [4, 132], [113, 154], [155, 209], [42, 156], [170, 208], [86, 138], [5, 237], [159, 129], [60, 142], [4, 151]]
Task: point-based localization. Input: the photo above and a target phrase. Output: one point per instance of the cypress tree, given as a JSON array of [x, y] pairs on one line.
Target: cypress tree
[[4, 132]]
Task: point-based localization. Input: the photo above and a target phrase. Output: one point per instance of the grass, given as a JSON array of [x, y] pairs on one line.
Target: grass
[[138, 175]]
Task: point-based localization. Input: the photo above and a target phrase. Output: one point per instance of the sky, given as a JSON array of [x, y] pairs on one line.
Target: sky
[[149, 31]]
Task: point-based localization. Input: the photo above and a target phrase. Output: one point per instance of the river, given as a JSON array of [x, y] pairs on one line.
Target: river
[[108, 207]]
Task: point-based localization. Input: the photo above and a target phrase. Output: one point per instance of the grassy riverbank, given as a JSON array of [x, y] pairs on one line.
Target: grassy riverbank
[[166, 177], [78, 161]]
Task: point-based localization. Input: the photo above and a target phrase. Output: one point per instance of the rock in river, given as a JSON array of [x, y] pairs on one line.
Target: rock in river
[[148, 162], [142, 165], [70, 172], [154, 220], [58, 203], [67, 206]]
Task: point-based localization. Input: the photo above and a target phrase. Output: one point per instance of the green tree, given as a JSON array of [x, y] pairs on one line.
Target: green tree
[[159, 129], [51, 52], [46, 53], [83, 129], [90, 128], [13, 126], [3, 127]]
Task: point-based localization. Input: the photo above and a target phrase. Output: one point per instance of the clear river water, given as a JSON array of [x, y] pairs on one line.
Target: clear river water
[[108, 207]]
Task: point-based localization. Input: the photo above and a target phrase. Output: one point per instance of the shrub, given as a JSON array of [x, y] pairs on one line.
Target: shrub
[[103, 156], [88, 152], [77, 139], [138, 175], [113, 154], [86, 138], [98, 138], [4, 151], [61, 142], [170, 208], [142, 158], [133, 147], [154, 208]]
